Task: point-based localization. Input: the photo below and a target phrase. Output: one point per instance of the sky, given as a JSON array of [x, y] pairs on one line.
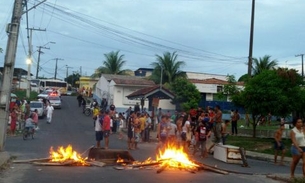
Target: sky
[[210, 36]]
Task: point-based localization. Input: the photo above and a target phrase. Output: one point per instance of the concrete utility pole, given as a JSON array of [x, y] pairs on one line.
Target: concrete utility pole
[[302, 56], [56, 66], [8, 70], [29, 61], [251, 40], [67, 73], [40, 52]]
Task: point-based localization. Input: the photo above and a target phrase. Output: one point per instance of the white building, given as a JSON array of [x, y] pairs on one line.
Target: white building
[[115, 88]]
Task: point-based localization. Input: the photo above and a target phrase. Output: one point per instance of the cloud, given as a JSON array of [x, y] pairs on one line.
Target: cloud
[[207, 33]]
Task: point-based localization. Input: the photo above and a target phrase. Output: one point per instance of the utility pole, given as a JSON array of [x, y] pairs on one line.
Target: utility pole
[[80, 70], [38, 62], [251, 39], [67, 72], [8, 69], [302, 56], [56, 66], [29, 61], [40, 52]]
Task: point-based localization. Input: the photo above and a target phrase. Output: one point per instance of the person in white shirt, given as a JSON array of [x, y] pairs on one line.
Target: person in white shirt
[[49, 110], [98, 128], [298, 146]]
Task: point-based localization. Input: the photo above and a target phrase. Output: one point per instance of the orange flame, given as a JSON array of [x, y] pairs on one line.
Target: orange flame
[[66, 154], [175, 157]]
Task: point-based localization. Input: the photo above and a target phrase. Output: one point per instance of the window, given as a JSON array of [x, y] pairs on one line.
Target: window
[[219, 89]]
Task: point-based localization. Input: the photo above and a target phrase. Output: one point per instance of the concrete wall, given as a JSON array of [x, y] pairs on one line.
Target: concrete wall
[[262, 133]]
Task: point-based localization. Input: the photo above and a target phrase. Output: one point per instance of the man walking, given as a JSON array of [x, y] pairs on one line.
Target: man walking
[[49, 110]]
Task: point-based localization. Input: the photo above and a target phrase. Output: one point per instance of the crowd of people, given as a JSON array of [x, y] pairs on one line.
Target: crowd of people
[[186, 129], [22, 117], [19, 113]]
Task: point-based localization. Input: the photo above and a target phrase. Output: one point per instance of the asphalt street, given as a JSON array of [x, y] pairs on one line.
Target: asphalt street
[[70, 126]]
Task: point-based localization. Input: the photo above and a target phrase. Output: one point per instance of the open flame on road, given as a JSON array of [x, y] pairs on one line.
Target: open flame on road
[[67, 154], [175, 157], [170, 155]]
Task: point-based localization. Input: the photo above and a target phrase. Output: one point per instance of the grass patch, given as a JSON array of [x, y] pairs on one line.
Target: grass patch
[[261, 145], [22, 94]]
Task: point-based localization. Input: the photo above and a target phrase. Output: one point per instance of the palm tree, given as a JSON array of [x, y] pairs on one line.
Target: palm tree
[[264, 63], [169, 66], [112, 65]]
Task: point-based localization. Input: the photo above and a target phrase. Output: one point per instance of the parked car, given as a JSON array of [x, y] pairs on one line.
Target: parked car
[[55, 101], [39, 106]]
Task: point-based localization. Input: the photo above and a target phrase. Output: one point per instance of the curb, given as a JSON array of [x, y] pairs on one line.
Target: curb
[[4, 158]]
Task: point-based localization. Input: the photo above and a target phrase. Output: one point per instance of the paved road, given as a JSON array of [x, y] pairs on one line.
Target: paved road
[[70, 126]]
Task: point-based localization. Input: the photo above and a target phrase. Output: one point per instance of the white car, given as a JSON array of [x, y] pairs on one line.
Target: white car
[[39, 106], [55, 101], [44, 94]]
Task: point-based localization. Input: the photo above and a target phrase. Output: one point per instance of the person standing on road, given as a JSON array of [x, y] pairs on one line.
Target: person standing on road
[[35, 118], [130, 131], [49, 110], [235, 118], [202, 132], [99, 118], [163, 131], [84, 103], [298, 146], [13, 124], [79, 99], [218, 122], [137, 130], [147, 128], [106, 129], [278, 144]]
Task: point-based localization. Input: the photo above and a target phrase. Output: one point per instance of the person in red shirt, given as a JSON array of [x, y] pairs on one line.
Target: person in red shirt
[[106, 128]]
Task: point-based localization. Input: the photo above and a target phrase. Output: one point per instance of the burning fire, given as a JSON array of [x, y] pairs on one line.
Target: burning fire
[[173, 156], [66, 154]]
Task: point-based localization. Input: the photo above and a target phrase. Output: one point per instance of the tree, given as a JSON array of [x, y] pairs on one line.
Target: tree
[[112, 65], [170, 67], [272, 91], [262, 64], [72, 78], [187, 95], [230, 88], [1, 50], [243, 78]]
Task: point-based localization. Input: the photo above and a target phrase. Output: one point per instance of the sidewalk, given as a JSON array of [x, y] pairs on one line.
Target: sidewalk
[[4, 158]]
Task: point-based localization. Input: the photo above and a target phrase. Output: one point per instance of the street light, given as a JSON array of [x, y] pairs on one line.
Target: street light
[[29, 63]]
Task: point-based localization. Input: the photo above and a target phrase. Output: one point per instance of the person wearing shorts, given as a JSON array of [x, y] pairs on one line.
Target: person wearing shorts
[[298, 146], [98, 128], [278, 144]]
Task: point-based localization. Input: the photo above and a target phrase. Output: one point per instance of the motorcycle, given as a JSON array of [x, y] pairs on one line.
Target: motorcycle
[[88, 110]]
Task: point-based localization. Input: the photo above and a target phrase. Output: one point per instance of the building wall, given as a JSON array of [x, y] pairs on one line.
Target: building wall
[[202, 76], [87, 82], [206, 88]]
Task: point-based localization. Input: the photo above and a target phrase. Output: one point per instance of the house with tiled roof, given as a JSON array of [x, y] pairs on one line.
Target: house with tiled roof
[[209, 89], [115, 88]]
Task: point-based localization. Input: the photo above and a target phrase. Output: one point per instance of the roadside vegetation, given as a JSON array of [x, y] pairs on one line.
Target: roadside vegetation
[[21, 94]]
